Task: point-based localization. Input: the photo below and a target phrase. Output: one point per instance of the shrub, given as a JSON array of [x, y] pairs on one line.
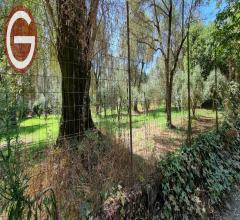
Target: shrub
[[231, 102], [38, 107], [11, 109], [15, 200], [195, 178], [210, 87]]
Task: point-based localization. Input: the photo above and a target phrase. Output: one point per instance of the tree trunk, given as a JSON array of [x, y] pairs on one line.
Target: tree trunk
[[169, 77], [98, 98], [76, 34], [76, 114], [194, 111], [168, 98], [135, 105], [169, 106]]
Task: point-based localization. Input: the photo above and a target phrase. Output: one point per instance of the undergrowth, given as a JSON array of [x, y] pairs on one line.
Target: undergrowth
[[83, 176], [16, 203], [188, 183], [196, 178], [92, 179]]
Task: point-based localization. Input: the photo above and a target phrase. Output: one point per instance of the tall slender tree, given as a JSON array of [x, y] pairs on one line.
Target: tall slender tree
[[166, 34]]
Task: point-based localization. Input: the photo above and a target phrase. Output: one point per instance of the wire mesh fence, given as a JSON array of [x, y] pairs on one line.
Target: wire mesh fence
[[39, 92], [39, 95], [32, 108]]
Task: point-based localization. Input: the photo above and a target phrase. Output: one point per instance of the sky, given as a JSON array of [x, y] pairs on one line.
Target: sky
[[208, 12]]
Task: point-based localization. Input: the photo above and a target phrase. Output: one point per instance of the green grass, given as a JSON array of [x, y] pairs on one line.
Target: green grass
[[39, 129], [157, 116], [44, 130]]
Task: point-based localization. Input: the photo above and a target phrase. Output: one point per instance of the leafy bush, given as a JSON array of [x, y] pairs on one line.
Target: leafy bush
[[38, 106], [210, 86], [15, 200], [231, 102], [11, 108], [195, 178]]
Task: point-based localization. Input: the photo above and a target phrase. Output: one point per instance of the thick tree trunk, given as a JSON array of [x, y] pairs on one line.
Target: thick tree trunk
[[76, 114], [76, 34], [75, 64]]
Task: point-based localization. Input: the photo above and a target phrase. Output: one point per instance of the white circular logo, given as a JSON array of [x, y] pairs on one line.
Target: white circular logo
[[20, 39]]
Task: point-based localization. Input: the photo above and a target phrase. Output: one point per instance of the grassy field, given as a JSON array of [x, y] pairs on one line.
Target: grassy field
[[157, 116], [44, 130]]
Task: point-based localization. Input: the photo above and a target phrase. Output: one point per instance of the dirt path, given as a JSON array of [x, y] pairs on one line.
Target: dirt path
[[152, 139], [231, 210]]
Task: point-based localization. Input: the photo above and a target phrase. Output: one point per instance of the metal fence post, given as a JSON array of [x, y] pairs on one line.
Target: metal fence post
[[189, 91], [216, 91], [129, 89]]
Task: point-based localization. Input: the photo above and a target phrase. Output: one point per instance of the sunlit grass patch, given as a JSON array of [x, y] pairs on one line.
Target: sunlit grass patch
[[38, 131]]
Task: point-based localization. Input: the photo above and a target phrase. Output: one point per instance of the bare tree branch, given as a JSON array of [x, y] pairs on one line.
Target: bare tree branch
[[51, 14], [149, 45], [158, 29]]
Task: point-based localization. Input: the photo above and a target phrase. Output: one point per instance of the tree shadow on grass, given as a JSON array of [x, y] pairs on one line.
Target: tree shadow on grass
[[170, 140], [203, 124], [167, 142], [24, 130], [115, 125]]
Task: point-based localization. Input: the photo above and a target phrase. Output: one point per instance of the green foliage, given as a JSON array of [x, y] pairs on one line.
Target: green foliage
[[232, 102], [187, 183], [227, 37], [206, 50], [39, 106], [12, 108], [228, 27], [196, 177], [14, 183], [210, 86], [196, 86], [201, 42]]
